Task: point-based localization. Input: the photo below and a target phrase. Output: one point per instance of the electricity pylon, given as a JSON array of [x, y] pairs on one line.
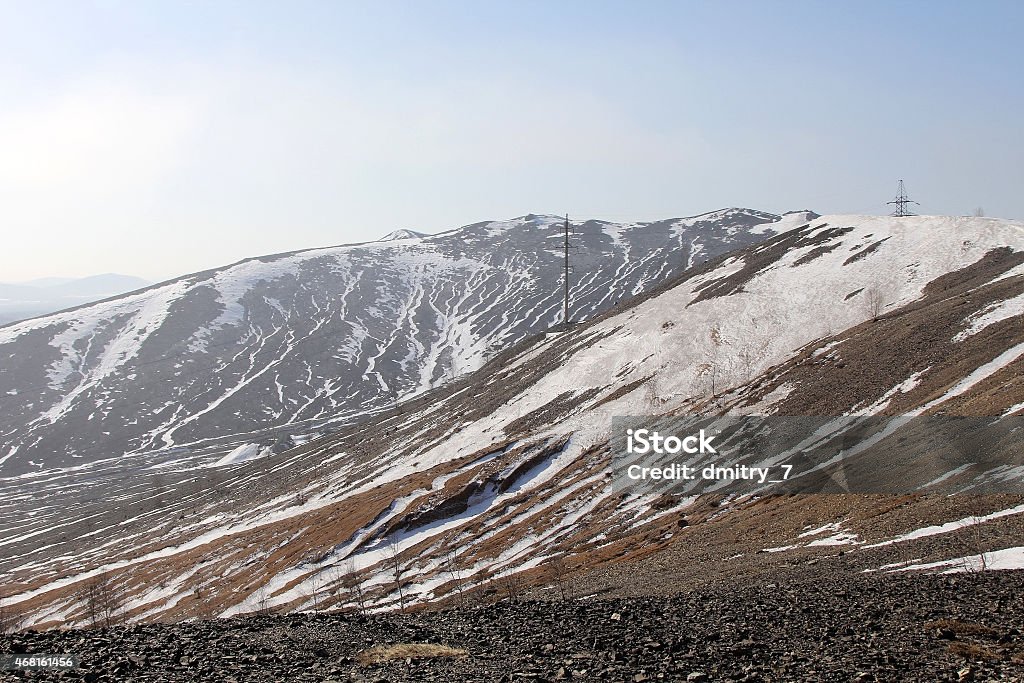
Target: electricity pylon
[[902, 203]]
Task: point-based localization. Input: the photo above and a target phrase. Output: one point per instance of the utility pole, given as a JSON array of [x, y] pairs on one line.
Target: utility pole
[[565, 303], [902, 203]]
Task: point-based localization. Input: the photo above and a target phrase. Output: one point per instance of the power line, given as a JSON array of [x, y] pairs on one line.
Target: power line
[[565, 306]]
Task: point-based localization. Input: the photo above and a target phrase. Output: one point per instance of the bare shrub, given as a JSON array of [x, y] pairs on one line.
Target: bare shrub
[[102, 601], [717, 342], [397, 571], [749, 356], [11, 619], [351, 584], [972, 540], [205, 608], [512, 586], [873, 299], [977, 534], [316, 587], [453, 566], [262, 599], [560, 575]]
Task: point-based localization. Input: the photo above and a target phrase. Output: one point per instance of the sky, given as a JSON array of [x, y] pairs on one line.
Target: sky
[[161, 138]]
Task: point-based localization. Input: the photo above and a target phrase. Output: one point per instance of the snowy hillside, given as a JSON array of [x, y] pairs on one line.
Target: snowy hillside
[[505, 470], [280, 344]]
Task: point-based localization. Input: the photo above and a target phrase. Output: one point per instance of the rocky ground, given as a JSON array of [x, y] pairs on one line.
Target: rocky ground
[[821, 627]]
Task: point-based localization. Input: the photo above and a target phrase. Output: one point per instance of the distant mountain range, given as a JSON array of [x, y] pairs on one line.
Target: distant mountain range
[[19, 301]]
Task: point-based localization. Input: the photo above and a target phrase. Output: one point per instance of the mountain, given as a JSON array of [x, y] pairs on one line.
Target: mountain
[[504, 479], [272, 349], [45, 295], [98, 286], [47, 281], [402, 235]]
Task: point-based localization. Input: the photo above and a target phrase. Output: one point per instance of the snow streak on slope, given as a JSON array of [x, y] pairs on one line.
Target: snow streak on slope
[[288, 342]]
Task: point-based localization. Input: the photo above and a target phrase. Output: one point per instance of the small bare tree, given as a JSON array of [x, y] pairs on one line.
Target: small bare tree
[[109, 600], [559, 574], [873, 300], [708, 372], [717, 342], [313, 558], [651, 394], [713, 369], [512, 585], [979, 543], [750, 355], [974, 540], [397, 570], [315, 592], [205, 608], [453, 565], [101, 599], [352, 585], [262, 599], [11, 619]]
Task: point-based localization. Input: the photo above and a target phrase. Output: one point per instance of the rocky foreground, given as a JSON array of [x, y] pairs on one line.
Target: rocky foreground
[[869, 627]]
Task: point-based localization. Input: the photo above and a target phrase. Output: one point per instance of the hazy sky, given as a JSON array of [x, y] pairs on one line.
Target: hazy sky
[[159, 138]]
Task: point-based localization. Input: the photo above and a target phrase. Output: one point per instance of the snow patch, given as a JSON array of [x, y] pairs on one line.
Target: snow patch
[[992, 314], [243, 453]]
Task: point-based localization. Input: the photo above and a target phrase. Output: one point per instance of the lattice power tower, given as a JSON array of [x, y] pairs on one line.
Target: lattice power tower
[[902, 203]]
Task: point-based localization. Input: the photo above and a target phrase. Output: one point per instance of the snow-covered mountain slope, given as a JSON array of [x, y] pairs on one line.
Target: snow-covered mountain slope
[[504, 470], [282, 343]]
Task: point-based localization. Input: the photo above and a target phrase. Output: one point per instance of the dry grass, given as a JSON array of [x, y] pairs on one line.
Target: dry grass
[[387, 653], [961, 628], [971, 651], [974, 652]]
